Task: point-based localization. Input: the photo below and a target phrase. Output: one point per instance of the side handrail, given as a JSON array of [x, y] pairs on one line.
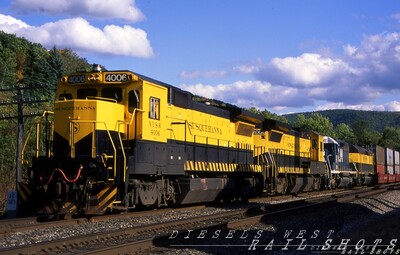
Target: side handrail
[[274, 168], [133, 115], [26, 143], [355, 167], [119, 123], [122, 148], [37, 124]]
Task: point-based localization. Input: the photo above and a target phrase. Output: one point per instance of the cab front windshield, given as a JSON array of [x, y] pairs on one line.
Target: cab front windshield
[[114, 93]]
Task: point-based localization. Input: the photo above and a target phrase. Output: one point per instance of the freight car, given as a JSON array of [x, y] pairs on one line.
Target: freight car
[[120, 140], [387, 165]]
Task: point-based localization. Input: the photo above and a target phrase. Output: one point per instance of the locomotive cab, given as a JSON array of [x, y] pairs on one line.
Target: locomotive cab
[[88, 160]]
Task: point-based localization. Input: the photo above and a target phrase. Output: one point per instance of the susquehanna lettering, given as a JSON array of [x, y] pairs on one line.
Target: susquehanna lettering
[[204, 128], [76, 108]]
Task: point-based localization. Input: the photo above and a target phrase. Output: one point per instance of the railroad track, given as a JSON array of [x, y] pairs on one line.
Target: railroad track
[[132, 234], [8, 226], [141, 238], [29, 224], [145, 245]]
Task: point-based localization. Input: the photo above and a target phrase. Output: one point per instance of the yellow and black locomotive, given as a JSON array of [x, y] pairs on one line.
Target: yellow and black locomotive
[[123, 140], [293, 158]]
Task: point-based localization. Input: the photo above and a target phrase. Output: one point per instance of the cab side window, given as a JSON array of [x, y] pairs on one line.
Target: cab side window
[[133, 100], [154, 112]]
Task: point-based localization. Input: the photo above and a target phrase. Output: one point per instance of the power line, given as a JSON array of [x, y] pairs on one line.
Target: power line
[[23, 87]]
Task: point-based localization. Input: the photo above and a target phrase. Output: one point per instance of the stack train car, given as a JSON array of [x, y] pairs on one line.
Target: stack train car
[[119, 140]]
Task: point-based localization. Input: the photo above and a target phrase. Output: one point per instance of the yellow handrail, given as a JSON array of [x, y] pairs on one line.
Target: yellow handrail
[[122, 147], [25, 144], [37, 123]]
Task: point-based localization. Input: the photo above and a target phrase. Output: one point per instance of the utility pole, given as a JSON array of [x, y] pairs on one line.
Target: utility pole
[[20, 135]]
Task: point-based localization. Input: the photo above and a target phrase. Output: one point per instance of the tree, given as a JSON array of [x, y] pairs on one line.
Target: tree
[[344, 132], [72, 62], [363, 134], [391, 138], [268, 115], [55, 69], [29, 74], [315, 122]]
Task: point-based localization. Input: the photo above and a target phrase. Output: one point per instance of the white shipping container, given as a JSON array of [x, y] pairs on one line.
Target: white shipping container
[[389, 157], [396, 158], [389, 161]]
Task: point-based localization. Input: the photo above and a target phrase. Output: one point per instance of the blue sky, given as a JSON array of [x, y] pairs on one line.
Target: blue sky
[[283, 56]]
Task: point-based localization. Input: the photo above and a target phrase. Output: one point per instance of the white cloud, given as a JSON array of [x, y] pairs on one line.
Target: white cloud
[[243, 93], [99, 9], [11, 25], [251, 94], [309, 69], [363, 107], [366, 72], [379, 56], [350, 50], [248, 69], [202, 74], [380, 47], [80, 35], [393, 106], [350, 82]]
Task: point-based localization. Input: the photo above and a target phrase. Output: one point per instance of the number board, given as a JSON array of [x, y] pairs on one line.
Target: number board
[[108, 78], [116, 77], [74, 79]]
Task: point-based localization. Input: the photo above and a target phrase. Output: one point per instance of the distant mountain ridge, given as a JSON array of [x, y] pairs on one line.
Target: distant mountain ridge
[[377, 120]]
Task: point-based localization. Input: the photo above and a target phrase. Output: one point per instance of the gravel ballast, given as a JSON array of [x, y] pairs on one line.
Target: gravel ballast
[[366, 226], [370, 225]]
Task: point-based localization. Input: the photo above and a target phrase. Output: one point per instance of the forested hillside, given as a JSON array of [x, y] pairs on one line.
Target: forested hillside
[[356, 127], [377, 121], [28, 72]]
